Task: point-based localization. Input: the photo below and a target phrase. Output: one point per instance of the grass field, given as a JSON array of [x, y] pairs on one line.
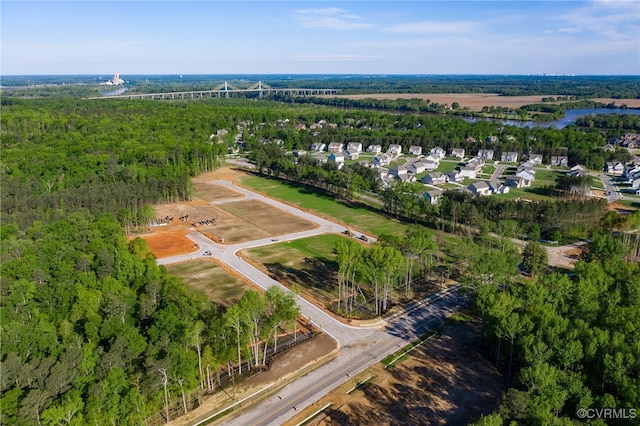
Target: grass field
[[221, 286], [306, 264], [306, 198], [208, 192]]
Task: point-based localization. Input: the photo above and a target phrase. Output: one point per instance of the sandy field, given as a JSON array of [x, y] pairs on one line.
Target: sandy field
[[475, 101], [446, 381]]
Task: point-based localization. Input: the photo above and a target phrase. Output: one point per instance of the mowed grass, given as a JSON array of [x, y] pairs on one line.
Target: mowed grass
[[306, 264], [219, 285], [307, 198]]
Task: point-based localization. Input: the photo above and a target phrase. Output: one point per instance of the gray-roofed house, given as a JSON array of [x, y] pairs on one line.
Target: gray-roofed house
[[351, 154], [433, 196], [335, 147], [318, 147], [559, 160], [497, 187], [509, 157], [415, 150], [485, 154], [354, 145], [381, 160], [517, 182], [457, 153], [435, 178], [480, 187], [376, 149], [437, 152], [394, 149], [455, 176], [535, 158]]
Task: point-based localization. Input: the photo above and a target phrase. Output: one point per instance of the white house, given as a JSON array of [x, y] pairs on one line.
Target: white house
[[469, 171], [480, 187], [438, 153], [457, 153], [351, 154], [335, 147], [381, 160], [509, 157], [577, 170], [435, 178], [415, 150], [497, 187], [376, 149], [491, 139], [318, 147], [559, 160], [394, 149], [526, 174], [517, 182], [485, 154], [357, 146], [336, 157], [433, 196], [614, 168], [535, 158], [455, 176], [416, 167]]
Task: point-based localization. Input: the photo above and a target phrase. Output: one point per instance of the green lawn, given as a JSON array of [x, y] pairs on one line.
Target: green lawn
[[307, 198], [306, 264]]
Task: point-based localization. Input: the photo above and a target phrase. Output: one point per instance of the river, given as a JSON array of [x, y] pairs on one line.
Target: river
[[569, 118]]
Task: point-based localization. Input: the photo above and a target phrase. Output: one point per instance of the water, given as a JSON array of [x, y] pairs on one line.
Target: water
[[569, 118]]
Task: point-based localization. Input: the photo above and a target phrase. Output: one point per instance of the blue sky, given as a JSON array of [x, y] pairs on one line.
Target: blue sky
[[321, 37]]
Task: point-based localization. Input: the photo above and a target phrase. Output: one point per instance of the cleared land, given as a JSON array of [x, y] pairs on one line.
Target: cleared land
[[475, 101], [445, 381], [217, 282]]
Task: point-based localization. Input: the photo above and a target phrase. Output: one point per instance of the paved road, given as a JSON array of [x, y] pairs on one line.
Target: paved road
[[610, 189], [359, 347]]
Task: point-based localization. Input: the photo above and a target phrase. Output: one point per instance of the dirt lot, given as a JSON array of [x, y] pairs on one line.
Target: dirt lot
[[475, 101], [444, 382]]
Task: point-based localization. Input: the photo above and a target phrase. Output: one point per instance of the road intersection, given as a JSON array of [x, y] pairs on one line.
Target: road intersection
[[360, 347]]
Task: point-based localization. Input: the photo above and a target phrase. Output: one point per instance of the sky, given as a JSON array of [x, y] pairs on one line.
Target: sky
[[320, 37]]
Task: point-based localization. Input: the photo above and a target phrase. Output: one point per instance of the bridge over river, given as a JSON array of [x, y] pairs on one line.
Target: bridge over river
[[224, 90]]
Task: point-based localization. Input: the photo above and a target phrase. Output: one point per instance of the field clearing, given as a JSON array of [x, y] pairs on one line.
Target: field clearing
[[166, 244], [475, 101], [251, 220], [445, 381], [355, 216], [217, 282], [208, 192]]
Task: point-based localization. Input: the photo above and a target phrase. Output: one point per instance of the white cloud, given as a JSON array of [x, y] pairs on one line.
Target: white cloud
[[338, 58], [433, 27], [330, 18], [613, 19]]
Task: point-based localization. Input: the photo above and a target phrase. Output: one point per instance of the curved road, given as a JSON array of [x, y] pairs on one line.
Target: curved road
[[359, 347]]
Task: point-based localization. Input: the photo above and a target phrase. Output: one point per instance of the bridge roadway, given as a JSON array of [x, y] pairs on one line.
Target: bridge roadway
[[360, 347], [219, 93]]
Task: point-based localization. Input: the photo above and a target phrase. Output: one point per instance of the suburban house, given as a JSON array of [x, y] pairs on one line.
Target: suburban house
[[318, 147], [455, 176], [438, 153], [630, 171], [376, 149], [435, 178], [299, 153], [416, 167], [398, 171], [527, 174], [577, 170], [559, 161], [509, 157], [635, 182], [320, 159], [394, 149], [433, 196], [485, 154], [480, 187], [535, 158], [614, 168], [469, 171], [517, 182], [351, 154], [357, 146], [609, 148], [497, 187], [335, 147], [431, 163], [457, 153], [381, 160], [336, 157], [491, 139], [415, 150]]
